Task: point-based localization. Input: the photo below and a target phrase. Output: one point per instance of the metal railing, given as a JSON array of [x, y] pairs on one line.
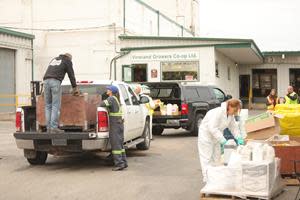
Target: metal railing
[[19, 100]]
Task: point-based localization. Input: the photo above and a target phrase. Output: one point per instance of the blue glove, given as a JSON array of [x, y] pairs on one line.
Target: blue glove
[[240, 141]]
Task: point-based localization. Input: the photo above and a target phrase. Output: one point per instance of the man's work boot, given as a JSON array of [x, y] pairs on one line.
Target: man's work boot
[[109, 161], [119, 168], [56, 130]]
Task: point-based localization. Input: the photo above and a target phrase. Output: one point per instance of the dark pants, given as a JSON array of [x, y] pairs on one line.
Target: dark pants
[[116, 137], [228, 135]]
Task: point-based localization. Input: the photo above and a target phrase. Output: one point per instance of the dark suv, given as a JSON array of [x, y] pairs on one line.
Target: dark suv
[[193, 102]]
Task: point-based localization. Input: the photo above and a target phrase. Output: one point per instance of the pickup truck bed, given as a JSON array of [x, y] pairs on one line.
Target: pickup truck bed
[[77, 112]]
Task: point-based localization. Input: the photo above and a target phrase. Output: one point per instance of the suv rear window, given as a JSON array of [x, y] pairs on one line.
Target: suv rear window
[[165, 93]]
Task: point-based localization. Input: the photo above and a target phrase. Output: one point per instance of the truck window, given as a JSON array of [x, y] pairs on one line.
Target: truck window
[[204, 94], [134, 99], [219, 94], [90, 89], [124, 93], [191, 93]]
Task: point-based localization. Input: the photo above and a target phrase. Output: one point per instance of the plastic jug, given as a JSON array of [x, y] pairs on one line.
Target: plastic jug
[[175, 109], [163, 110], [229, 147], [169, 109], [245, 152], [269, 153], [258, 152]]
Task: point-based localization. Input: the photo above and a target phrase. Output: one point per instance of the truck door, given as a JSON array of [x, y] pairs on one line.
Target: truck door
[[126, 108], [136, 113]]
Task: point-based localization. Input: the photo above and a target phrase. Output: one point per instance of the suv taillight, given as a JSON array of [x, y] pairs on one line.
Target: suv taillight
[[19, 121], [102, 121], [184, 109]]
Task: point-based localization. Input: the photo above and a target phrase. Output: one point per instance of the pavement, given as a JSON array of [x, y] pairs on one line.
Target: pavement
[[170, 170]]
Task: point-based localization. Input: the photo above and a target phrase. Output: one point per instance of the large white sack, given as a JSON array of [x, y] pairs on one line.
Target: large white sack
[[258, 177], [223, 178]]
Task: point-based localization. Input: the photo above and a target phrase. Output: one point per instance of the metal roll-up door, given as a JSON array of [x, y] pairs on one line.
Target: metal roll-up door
[[7, 80]]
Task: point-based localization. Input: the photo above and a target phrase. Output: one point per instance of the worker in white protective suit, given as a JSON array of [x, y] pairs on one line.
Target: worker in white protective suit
[[210, 136]]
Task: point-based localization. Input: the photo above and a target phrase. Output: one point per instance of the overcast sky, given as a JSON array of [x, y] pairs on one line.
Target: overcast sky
[[273, 24]]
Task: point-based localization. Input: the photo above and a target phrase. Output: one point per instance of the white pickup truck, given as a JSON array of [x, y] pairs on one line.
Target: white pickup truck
[[92, 135]]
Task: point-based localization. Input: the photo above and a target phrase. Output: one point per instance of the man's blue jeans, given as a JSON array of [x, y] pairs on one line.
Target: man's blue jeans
[[52, 96]]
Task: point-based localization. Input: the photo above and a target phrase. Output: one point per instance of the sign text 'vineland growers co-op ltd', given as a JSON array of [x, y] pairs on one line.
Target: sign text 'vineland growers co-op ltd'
[[165, 56]]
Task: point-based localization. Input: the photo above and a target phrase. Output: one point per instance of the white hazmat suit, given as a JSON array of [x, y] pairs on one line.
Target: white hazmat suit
[[210, 136]]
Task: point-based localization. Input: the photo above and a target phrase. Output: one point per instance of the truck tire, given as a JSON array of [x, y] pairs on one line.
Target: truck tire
[[40, 158], [198, 120], [145, 145], [157, 130]]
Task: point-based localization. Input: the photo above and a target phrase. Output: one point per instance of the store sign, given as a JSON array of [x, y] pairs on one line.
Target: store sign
[[165, 56]]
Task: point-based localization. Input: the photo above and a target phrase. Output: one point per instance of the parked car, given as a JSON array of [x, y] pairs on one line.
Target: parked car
[[86, 124], [193, 102]]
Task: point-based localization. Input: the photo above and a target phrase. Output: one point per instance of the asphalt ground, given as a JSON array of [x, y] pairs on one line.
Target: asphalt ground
[[170, 170]]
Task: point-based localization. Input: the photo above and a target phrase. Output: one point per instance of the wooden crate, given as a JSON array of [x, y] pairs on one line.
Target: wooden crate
[[76, 111], [288, 154], [291, 182]]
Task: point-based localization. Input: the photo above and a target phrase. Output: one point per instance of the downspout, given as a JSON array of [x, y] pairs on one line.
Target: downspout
[[158, 22], [124, 17], [32, 72], [115, 64]]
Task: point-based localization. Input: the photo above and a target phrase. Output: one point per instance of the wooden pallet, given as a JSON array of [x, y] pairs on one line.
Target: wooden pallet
[[206, 196], [216, 197], [291, 182]]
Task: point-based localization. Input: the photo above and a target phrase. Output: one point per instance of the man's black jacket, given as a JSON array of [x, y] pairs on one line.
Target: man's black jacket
[[58, 68]]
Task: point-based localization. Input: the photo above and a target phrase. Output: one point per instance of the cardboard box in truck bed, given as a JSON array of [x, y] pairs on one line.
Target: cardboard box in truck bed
[[77, 112]]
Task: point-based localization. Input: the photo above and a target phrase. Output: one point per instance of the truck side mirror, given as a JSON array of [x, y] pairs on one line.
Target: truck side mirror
[[144, 100]]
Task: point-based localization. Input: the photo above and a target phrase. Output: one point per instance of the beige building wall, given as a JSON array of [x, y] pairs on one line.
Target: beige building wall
[[23, 63], [184, 12], [92, 49], [228, 75]]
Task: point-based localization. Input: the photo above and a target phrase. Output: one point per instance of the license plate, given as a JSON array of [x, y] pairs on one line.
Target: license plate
[[59, 142], [173, 122]]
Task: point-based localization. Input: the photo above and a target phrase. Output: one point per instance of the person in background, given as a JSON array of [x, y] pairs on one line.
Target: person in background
[[281, 100], [53, 77], [272, 100], [291, 97], [144, 91], [210, 136], [116, 127]]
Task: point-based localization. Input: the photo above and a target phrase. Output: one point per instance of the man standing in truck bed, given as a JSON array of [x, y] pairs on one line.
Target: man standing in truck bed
[[53, 77]]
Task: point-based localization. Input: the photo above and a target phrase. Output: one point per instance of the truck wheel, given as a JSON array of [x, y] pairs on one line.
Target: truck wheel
[[145, 145], [40, 158], [197, 123], [157, 130]]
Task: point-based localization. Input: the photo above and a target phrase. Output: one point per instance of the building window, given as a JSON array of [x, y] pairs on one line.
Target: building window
[[228, 73], [263, 80], [134, 73], [217, 69], [183, 71]]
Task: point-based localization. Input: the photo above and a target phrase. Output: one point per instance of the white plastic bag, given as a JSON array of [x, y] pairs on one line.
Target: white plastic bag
[[223, 178], [235, 160]]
